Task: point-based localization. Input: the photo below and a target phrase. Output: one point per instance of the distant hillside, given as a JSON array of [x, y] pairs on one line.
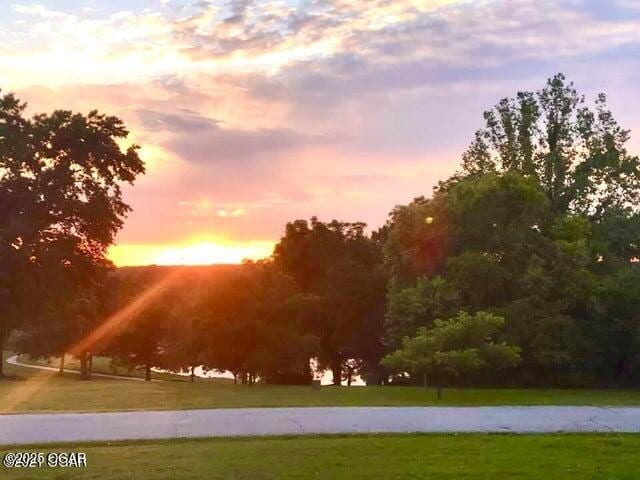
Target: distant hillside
[[195, 269], [188, 273]]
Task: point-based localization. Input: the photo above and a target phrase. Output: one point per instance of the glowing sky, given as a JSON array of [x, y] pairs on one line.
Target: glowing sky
[[253, 113]]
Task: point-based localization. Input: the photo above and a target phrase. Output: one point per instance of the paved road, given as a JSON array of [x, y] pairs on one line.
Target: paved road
[[14, 361], [73, 427]]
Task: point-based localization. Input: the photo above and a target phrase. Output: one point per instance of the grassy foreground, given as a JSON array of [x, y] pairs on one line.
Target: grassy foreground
[[25, 391], [558, 457], [103, 365]]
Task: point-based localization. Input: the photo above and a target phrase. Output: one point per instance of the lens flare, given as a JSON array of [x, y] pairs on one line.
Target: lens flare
[[106, 331]]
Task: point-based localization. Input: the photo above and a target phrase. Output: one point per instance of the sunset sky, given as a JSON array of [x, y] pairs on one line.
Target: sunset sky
[[254, 113]]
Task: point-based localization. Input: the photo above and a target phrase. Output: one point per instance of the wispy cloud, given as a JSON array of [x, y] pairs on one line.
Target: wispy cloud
[[280, 109]]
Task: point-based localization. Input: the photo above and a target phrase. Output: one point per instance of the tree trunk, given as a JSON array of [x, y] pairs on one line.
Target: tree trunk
[[439, 392], [308, 373], [349, 376], [61, 369], [147, 373], [336, 369], [235, 378], [84, 367], [243, 378], [90, 364], [425, 380], [193, 373], [3, 338]]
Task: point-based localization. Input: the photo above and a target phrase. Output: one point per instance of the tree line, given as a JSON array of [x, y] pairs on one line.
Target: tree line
[[520, 269]]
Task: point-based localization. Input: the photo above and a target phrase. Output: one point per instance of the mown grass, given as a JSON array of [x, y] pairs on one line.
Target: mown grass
[[442, 457], [67, 393], [104, 365]]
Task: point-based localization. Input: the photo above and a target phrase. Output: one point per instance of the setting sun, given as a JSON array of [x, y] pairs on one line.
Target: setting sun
[[217, 217], [197, 253]]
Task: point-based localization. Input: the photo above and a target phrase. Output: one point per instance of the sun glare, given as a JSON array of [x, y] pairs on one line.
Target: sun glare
[[197, 253]]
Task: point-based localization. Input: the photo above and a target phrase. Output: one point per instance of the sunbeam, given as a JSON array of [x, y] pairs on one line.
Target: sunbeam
[[106, 331]]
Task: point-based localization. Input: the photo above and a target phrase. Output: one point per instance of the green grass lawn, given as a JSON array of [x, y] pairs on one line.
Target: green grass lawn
[[441, 457], [104, 365], [68, 393]]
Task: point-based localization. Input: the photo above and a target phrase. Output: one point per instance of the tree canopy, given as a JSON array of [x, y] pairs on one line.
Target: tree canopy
[[576, 153], [534, 228], [525, 260], [61, 202], [335, 267], [451, 348]]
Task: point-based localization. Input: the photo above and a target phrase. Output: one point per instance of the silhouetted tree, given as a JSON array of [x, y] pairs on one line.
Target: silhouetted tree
[[335, 265], [59, 190], [142, 337]]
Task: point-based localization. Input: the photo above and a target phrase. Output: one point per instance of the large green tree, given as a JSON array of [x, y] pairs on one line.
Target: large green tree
[[452, 348], [576, 152], [505, 252], [60, 189], [140, 339], [540, 227], [246, 321], [336, 266], [187, 328], [70, 288]]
